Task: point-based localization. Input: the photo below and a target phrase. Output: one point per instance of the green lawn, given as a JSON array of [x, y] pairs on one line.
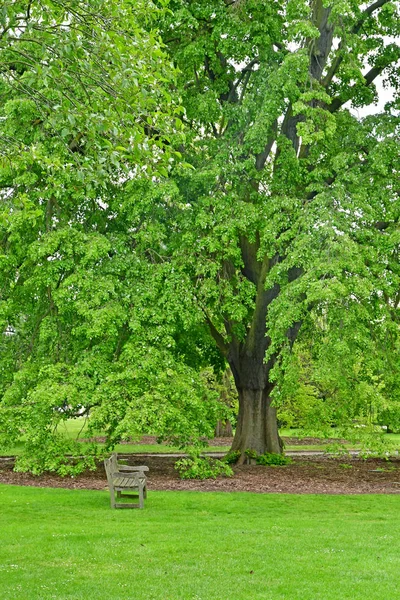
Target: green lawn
[[66, 544]]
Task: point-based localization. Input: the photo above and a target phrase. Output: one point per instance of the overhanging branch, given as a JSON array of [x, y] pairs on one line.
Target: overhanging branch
[[222, 345], [261, 158], [368, 77], [356, 28]]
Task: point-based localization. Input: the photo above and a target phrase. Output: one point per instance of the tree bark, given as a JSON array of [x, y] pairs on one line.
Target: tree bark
[[223, 429], [227, 396], [257, 426]]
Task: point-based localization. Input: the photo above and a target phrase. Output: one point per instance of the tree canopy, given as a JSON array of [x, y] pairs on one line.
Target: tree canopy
[[86, 116], [176, 175]]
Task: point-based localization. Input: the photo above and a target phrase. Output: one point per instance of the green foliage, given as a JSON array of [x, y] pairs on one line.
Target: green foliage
[[50, 452], [251, 453], [87, 121], [268, 459], [135, 396], [342, 370], [273, 460], [196, 466], [367, 437], [390, 418], [232, 457], [83, 82], [223, 385]]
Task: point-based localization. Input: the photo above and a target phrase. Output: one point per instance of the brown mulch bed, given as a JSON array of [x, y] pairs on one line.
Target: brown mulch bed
[[315, 475]]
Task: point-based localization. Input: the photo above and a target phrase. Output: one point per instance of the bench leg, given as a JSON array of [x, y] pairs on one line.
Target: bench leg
[[112, 497], [141, 499]]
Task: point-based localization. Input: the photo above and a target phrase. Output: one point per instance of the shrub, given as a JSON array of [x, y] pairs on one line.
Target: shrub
[[251, 453], [273, 460], [195, 466], [232, 457], [391, 418]]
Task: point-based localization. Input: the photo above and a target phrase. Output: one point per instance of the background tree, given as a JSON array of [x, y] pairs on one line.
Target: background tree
[[227, 395]]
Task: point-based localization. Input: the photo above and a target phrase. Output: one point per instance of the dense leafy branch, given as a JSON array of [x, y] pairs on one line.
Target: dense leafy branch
[[337, 61]]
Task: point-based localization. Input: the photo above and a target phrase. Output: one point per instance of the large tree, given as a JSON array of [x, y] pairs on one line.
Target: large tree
[[292, 205]]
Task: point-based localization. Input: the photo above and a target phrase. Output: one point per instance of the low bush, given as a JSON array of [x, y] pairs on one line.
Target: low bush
[[232, 457], [250, 453], [273, 460], [195, 466], [390, 417]]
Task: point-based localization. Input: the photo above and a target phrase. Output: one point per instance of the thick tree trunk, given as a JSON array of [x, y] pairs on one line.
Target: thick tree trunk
[[257, 427]]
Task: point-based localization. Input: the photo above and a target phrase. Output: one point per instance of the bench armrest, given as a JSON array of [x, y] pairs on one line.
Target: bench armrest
[[120, 474], [129, 468]]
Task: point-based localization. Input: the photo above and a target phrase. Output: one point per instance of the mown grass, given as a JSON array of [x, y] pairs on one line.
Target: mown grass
[[67, 544]]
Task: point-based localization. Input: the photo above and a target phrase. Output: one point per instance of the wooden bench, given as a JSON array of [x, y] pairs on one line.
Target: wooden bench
[[123, 478]]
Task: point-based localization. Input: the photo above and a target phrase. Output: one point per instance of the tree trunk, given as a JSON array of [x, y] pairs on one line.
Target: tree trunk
[[228, 395], [257, 427], [223, 429]]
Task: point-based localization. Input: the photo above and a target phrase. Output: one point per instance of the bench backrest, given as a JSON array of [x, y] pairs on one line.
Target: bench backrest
[[111, 466], [136, 474]]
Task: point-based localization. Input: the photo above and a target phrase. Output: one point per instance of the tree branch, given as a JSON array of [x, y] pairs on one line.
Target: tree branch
[[256, 338], [218, 337], [251, 266], [356, 28], [369, 78], [368, 11], [261, 158], [321, 47], [383, 225]]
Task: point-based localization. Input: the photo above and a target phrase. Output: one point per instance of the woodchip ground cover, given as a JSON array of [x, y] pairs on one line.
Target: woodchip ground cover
[[321, 475]]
